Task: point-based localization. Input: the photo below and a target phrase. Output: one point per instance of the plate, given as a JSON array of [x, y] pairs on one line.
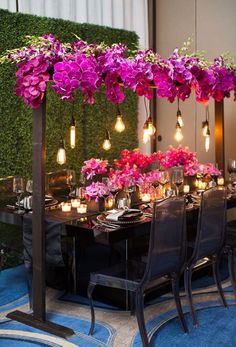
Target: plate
[[102, 218], [48, 202]]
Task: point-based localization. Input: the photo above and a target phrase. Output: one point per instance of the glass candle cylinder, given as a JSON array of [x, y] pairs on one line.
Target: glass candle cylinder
[[220, 181], [66, 206], [146, 197], [82, 208], [75, 203], [186, 189]]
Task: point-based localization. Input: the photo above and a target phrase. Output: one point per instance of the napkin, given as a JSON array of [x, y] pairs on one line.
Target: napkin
[[115, 214]]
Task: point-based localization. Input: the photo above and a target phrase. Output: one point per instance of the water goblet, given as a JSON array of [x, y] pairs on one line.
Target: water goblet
[[71, 180], [114, 189], [29, 186], [163, 180], [231, 168], [106, 191], [18, 188], [177, 178]]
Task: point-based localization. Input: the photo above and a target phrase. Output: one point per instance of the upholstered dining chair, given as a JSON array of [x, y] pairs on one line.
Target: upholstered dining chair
[[166, 256], [210, 241]]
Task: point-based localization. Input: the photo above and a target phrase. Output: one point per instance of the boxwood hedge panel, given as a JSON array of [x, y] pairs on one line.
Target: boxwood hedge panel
[[91, 120]]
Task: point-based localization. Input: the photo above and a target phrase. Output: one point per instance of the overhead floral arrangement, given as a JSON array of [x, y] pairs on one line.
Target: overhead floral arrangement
[[85, 67]]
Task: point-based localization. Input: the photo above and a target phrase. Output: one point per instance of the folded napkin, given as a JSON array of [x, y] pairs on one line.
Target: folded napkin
[[114, 215]]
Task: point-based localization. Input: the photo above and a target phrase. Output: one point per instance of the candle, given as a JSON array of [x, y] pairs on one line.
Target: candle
[[82, 208], [75, 203], [220, 181], [109, 204], [202, 185], [146, 197], [65, 206], [186, 189]]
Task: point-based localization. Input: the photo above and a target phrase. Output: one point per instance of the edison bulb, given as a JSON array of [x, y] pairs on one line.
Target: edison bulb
[[180, 120], [151, 129], [61, 156], [205, 128], [146, 136], [119, 126], [178, 135], [207, 143], [72, 136], [106, 144]]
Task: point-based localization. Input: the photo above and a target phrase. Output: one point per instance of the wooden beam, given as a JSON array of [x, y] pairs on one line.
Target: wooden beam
[[219, 135], [152, 44]]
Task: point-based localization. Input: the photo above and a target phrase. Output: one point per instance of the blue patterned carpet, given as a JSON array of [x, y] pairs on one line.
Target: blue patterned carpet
[[217, 325]]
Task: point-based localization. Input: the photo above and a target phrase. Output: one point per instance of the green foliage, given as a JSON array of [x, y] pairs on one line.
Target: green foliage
[[91, 120]]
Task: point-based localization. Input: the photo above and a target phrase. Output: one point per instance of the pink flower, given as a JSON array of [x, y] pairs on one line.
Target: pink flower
[[94, 167], [96, 190]]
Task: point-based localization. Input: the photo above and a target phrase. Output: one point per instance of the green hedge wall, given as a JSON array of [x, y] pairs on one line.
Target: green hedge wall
[[16, 118]]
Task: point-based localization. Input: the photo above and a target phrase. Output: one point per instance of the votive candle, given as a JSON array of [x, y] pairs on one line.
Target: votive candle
[[75, 203], [82, 208], [186, 189], [220, 181], [202, 185], [146, 197], [66, 207]]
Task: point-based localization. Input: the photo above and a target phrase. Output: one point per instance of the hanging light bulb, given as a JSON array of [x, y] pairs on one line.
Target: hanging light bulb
[[146, 136], [151, 128], [205, 127], [207, 140], [61, 153], [119, 126], [179, 116], [72, 132], [106, 143], [178, 132]]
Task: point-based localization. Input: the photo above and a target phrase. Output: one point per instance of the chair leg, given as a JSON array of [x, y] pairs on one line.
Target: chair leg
[[175, 289], [216, 274], [140, 318], [89, 293], [188, 291], [132, 303], [231, 269], [29, 276]]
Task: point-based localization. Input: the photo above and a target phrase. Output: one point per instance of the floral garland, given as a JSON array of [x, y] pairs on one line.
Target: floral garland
[[85, 67]]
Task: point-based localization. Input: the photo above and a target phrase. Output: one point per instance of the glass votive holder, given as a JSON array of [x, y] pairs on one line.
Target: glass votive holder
[[82, 208], [201, 185], [109, 204], [66, 206], [146, 197], [186, 189], [75, 203], [220, 181]]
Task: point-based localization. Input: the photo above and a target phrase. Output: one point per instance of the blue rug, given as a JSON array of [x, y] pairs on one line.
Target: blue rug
[[16, 334], [13, 288]]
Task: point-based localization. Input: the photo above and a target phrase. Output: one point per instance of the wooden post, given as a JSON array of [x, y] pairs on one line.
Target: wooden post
[[153, 44], [219, 136], [38, 319]]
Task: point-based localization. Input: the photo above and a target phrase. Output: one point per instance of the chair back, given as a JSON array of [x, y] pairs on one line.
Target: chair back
[[56, 183], [167, 245], [211, 229]]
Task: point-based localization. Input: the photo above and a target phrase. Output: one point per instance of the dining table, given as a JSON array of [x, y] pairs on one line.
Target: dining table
[[91, 245]]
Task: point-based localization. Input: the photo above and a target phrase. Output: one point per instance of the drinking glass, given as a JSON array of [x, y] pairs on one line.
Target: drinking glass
[[129, 190], [231, 168], [177, 178], [114, 190], [71, 180], [29, 186], [163, 179], [18, 188], [106, 191]]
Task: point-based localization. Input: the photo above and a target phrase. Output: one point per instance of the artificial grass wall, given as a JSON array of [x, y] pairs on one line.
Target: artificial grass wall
[[16, 118]]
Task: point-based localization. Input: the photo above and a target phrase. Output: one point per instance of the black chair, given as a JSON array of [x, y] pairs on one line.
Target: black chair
[[209, 243], [166, 256], [230, 250]]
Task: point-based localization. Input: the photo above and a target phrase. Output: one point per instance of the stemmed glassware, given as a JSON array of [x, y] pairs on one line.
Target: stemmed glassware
[[114, 189], [29, 186], [177, 178], [231, 168], [106, 192], [129, 190], [163, 179], [18, 188], [71, 180]]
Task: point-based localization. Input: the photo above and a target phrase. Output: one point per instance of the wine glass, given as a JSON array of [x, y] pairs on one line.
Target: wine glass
[[71, 180], [129, 190], [29, 186], [163, 179], [106, 191], [114, 189], [18, 188], [231, 168], [177, 178]]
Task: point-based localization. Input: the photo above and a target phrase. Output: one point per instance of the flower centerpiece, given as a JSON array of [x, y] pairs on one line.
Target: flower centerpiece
[[93, 167], [95, 194]]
